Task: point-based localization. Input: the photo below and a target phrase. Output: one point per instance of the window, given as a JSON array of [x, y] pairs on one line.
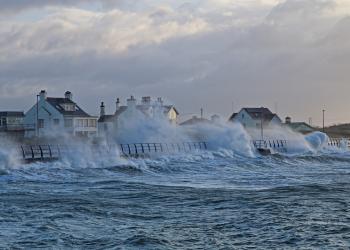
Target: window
[[56, 122], [258, 125], [68, 106], [4, 121], [41, 123], [68, 123], [86, 123], [92, 123]]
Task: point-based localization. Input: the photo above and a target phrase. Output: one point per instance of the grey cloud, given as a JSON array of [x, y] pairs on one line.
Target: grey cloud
[[258, 65]]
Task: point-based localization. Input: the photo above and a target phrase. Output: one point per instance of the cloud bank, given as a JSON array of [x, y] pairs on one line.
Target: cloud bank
[[206, 54]]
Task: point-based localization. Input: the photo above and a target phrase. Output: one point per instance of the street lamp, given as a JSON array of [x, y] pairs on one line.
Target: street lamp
[[37, 115]]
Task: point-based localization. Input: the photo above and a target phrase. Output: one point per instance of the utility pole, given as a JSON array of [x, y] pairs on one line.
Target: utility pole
[[37, 115], [323, 112]]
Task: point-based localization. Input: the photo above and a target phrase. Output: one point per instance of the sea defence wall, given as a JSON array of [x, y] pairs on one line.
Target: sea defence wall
[[32, 153]]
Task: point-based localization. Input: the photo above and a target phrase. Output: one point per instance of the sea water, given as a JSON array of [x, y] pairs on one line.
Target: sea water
[[217, 199]]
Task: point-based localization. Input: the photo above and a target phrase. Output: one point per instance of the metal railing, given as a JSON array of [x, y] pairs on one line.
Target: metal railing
[[339, 142], [136, 149], [32, 153], [277, 145]]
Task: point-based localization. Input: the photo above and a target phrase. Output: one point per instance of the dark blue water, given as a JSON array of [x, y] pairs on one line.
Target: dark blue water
[[206, 201]]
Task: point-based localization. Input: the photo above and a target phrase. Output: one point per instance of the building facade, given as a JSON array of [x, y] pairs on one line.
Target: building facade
[[135, 112], [12, 125], [255, 117], [54, 116], [300, 127]]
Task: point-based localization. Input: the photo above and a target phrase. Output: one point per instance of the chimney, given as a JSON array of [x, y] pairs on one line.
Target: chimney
[[131, 102], [68, 95], [43, 95], [117, 105], [288, 120], [102, 109], [146, 100], [160, 101]]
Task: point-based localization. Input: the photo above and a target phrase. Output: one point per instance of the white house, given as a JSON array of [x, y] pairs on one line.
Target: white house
[[252, 117], [300, 127], [54, 116], [134, 112]]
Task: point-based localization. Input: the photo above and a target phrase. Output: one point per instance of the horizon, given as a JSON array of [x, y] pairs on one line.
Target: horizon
[[286, 55]]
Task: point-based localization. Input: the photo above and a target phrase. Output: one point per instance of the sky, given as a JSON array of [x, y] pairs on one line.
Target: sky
[[292, 56]]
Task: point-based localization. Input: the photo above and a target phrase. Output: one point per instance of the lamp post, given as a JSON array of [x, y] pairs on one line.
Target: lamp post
[[323, 113], [262, 125], [37, 115]]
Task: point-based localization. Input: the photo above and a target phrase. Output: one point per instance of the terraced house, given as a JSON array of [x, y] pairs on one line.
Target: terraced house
[[54, 116]]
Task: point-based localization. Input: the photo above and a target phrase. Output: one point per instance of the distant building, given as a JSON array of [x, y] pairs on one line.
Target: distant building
[[133, 111], [53, 116], [252, 117], [12, 125], [300, 127], [200, 120]]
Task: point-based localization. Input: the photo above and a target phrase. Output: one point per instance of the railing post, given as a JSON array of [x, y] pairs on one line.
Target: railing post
[[135, 149], [50, 151], [143, 150], [129, 149], [23, 153], [59, 151], [31, 148], [41, 152]]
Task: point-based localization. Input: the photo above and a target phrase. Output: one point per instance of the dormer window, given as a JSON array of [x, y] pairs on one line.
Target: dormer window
[[68, 106]]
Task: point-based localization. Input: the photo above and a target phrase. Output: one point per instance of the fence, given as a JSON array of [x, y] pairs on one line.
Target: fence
[[31, 153], [339, 142], [277, 145]]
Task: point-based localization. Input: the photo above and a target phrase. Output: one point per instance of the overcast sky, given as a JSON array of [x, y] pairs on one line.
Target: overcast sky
[[292, 55]]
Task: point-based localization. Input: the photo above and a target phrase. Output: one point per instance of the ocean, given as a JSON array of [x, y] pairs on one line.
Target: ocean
[[205, 200]]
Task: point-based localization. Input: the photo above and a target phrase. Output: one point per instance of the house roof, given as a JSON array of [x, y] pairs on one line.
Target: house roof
[[256, 113], [233, 116], [56, 103], [12, 113], [169, 107], [298, 125], [106, 118], [143, 109], [195, 120]]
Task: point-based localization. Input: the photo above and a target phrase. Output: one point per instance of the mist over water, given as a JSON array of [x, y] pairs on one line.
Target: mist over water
[[226, 197]]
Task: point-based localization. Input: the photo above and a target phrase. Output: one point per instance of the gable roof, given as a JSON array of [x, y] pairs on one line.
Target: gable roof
[[143, 109], [233, 116], [106, 118], [169, 107], [195, 120], [12, 113], [298, 125], [256, 113], [57, 102]]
